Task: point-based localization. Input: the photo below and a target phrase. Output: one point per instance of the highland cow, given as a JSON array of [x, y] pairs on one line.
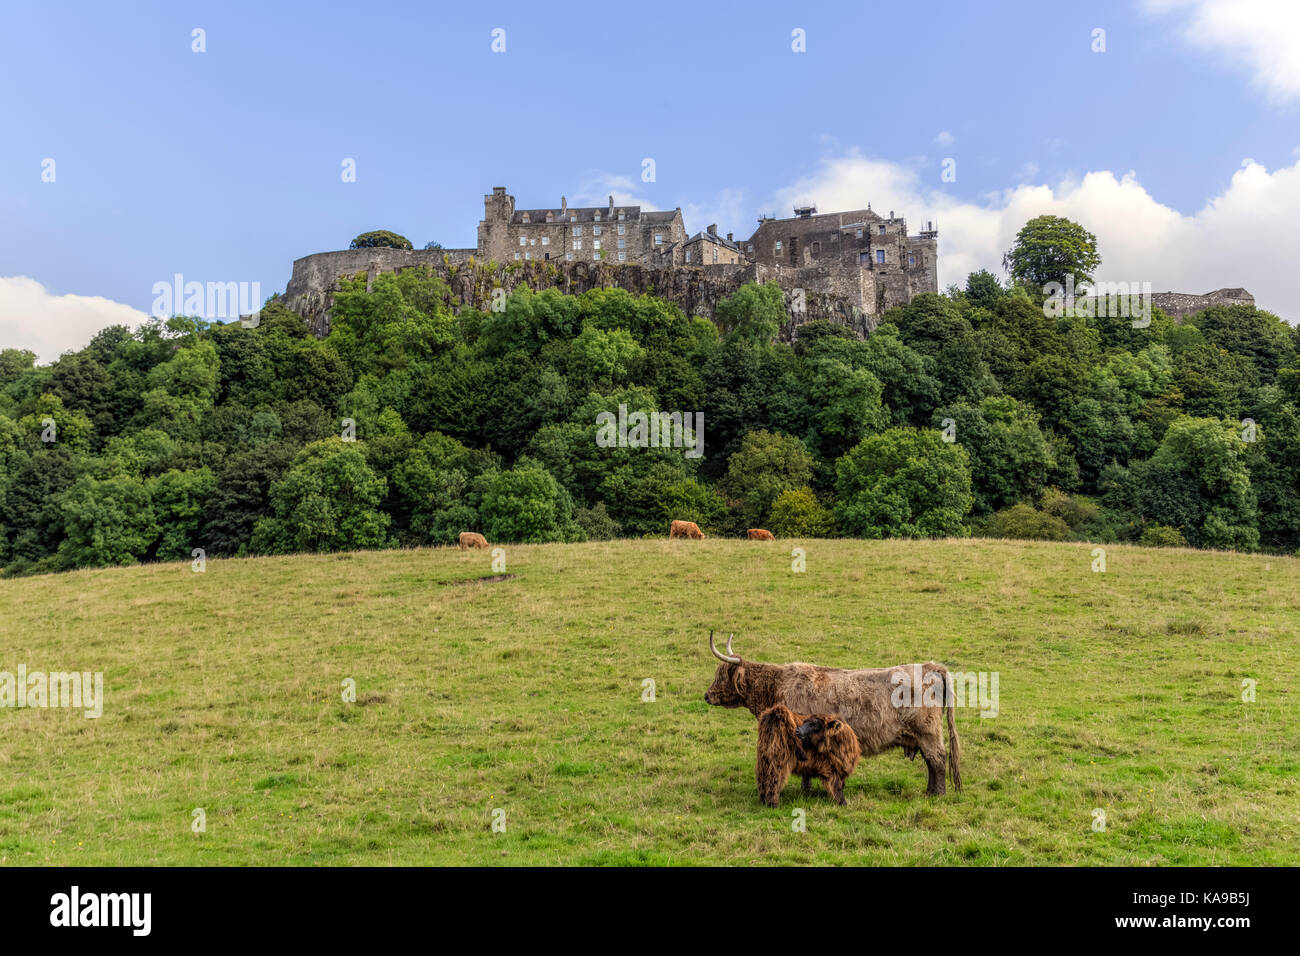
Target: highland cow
[[758, 534], [472, 539], [685, 529], [811, 745], [887, 707]]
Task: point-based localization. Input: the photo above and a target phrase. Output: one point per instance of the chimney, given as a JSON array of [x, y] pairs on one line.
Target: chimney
[[729, 239], [611, 208], [713, 229], [564, 207], [891, 215]]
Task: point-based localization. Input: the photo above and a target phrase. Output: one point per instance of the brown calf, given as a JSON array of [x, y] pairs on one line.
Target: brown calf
[[472, 539], [685, 529], [758, 534], [811, 745]]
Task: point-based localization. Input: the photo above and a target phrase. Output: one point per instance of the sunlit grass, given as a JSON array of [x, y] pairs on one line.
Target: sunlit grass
[[1119, 691]]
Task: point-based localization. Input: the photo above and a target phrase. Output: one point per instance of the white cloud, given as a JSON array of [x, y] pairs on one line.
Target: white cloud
[[945, 138], [1247, 236], [1259, 36], [49, 325]]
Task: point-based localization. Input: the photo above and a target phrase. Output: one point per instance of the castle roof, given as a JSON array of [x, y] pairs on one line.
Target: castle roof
[[589, 213]]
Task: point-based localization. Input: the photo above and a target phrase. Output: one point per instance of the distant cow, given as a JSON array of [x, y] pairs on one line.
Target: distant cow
[[811, 745], [472, 539], [758, 534], [886, 707], [685, 529]]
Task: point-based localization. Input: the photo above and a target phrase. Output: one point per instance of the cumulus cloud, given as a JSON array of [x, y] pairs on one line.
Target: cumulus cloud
[[945, 138], [1247, 236], [49, 325], [1261, 37]]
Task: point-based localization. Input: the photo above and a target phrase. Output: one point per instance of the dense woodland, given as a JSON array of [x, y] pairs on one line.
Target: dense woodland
[[970, 412]]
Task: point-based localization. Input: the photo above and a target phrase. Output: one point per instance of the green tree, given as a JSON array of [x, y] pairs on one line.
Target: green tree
[[797, 513], [904, 482], [107, 522], [380, 238], [526, 504], [328, 501], [765, 465], [1050, 249]]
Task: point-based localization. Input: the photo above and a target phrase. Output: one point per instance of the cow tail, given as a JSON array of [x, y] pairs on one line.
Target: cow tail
[[954, 748]]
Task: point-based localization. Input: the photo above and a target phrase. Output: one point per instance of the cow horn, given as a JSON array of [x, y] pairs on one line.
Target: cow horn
[[727, 657]]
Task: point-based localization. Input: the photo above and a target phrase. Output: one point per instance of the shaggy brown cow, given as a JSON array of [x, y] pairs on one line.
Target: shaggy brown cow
[[758, 534], [685, 529], [472, 539], [811, 745], [886, 707]]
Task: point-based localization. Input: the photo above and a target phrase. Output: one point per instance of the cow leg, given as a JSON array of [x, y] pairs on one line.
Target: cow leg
[[835, 787], [935, 762], [807, 784]]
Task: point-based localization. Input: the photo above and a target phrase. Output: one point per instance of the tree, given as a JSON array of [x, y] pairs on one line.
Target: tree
[[380, 238], [1010, 459], [797, 513], [328, 501], [432, 245], [983, 288], [754, 314], [107, 522], [526, 504], [766, 464], [904, 482], [1050, 249]]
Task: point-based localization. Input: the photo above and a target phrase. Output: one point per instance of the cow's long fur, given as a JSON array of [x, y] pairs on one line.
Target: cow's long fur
[[830, 753], [864, 699]]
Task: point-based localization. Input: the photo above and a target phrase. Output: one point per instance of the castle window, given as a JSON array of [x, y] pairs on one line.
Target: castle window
[[546, 240], [863, 259], [573, 217], [621, 228], [817, 248], [859, 233], [528, 255], [516, 255], [577, 230], [882, 230], [523, 240], [622, 243], [549, 218], [532, 242], [568, 257], [595, 244], [622, 257], [659, 238], [911, 260], [577, 243], [595, 230], [596, 216], [688, 255], [526, 219], [880, 256], [715, 254], [778, 246], [621, 215], [749, 246]]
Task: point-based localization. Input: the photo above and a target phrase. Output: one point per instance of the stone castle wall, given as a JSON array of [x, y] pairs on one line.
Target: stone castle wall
[[831, 291]]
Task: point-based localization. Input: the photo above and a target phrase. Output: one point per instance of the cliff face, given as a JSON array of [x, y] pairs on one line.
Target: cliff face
[[848, 297]]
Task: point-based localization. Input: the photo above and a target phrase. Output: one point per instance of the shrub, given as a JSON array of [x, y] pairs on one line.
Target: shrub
[[797, 513], [1162, 536], [1025, 521]]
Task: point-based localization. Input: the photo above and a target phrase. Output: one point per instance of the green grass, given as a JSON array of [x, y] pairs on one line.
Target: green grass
[[1119, 691]]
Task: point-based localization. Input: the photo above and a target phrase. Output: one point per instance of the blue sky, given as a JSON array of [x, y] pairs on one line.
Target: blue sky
[[225, 165]]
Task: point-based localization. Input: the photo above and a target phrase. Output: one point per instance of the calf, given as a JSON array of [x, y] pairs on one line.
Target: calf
[[758, 534], [811, 745], [685, 529], [472, 539]]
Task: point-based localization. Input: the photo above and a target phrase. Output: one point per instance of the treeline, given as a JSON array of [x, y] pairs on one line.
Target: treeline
[[965, 413]]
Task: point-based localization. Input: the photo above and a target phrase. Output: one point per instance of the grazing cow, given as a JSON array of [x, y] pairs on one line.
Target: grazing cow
[[811, 745], [472, 539], [758, 534], [685, 529], [886, 707]]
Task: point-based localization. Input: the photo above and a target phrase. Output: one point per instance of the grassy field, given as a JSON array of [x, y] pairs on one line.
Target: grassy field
[[1119, 691]]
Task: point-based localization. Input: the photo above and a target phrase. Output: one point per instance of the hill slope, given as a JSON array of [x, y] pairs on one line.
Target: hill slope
[[1119, 691]]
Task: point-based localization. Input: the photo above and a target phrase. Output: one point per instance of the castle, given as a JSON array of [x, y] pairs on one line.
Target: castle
[[846, 266]]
